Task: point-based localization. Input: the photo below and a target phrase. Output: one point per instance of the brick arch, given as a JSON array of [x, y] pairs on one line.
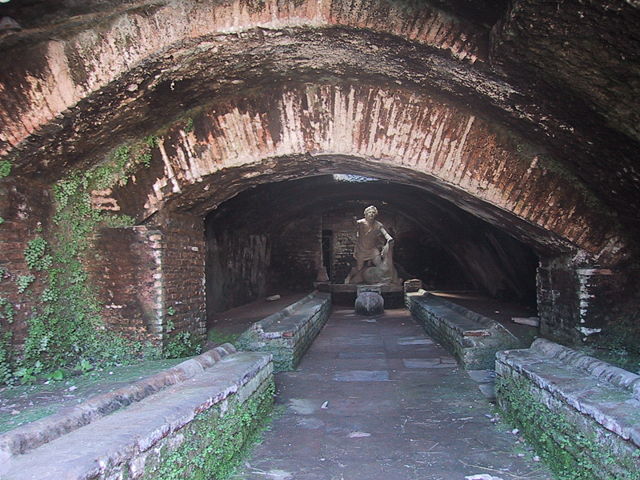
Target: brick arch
[[73, 64], [394, 134]]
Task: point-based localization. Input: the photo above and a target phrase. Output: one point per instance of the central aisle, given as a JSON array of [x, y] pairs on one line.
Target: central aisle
[[374, 398]]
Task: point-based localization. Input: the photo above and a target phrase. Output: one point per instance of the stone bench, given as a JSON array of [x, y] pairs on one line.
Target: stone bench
[[470, 337], [190, 423], [581, 414], [288, 333]]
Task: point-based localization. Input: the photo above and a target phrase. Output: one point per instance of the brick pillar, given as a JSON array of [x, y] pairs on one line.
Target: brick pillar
[[125, 267], [577, 301], [183, 272], [147, 277]]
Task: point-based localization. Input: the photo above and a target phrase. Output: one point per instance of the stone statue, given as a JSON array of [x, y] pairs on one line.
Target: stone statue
[[372, 264]]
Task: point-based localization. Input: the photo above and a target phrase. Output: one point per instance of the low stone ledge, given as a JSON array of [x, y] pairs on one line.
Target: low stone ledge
[[472, 338], [288, 333], [39, 432], [582, 414], [597, 368], [193, 429]]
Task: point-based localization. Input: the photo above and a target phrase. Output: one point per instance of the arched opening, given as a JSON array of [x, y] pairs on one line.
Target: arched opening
[[164, 161], [271, 240]]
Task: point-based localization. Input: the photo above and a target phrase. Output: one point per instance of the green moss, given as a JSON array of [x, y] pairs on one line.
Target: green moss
[[52, 397], [6, 370], [618, 343], [219, 336], [215, 442], [569, 453], [183, 344]]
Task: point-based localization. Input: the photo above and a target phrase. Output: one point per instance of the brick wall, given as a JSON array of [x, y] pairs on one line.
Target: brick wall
[[26, 210], [296, 255], [125, 266], [147, 277], [237, 263]]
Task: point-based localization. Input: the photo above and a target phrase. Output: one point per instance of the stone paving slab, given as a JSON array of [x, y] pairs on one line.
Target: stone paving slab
[[427, 421]]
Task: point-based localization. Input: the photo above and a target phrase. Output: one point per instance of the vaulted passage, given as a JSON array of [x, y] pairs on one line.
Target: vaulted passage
[[163, 162]]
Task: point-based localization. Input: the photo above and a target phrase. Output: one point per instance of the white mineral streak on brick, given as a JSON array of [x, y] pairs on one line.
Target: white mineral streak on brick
[[182, 166], [459, 174], [374, 111], [293, 140], [105, 57], [350, 122], [381, 141], [341, 138], [435, 145], [167, 166], [403, 134], [194, 171], [453, 162], [584, 297], [359, 120]]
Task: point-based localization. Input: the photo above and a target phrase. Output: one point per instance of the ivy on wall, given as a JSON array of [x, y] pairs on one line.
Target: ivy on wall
[[7, 311], [65, 327]]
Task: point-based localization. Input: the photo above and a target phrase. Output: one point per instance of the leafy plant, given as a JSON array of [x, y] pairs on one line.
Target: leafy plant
[[6, 310], [28, 375], [56, 375], [5, 168], [35, 255], [183, 344], [84, 366], [6, 373], [67, 326], [151, 141], [23, 282]]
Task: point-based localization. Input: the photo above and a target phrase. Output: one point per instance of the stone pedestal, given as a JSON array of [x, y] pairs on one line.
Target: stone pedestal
[[346, 295]]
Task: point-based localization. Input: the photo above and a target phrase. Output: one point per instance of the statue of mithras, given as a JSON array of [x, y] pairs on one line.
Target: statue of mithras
[[374, 265]]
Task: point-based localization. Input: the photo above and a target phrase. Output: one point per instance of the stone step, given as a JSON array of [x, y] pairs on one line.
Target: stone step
[[27, 437], [142, 436]]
